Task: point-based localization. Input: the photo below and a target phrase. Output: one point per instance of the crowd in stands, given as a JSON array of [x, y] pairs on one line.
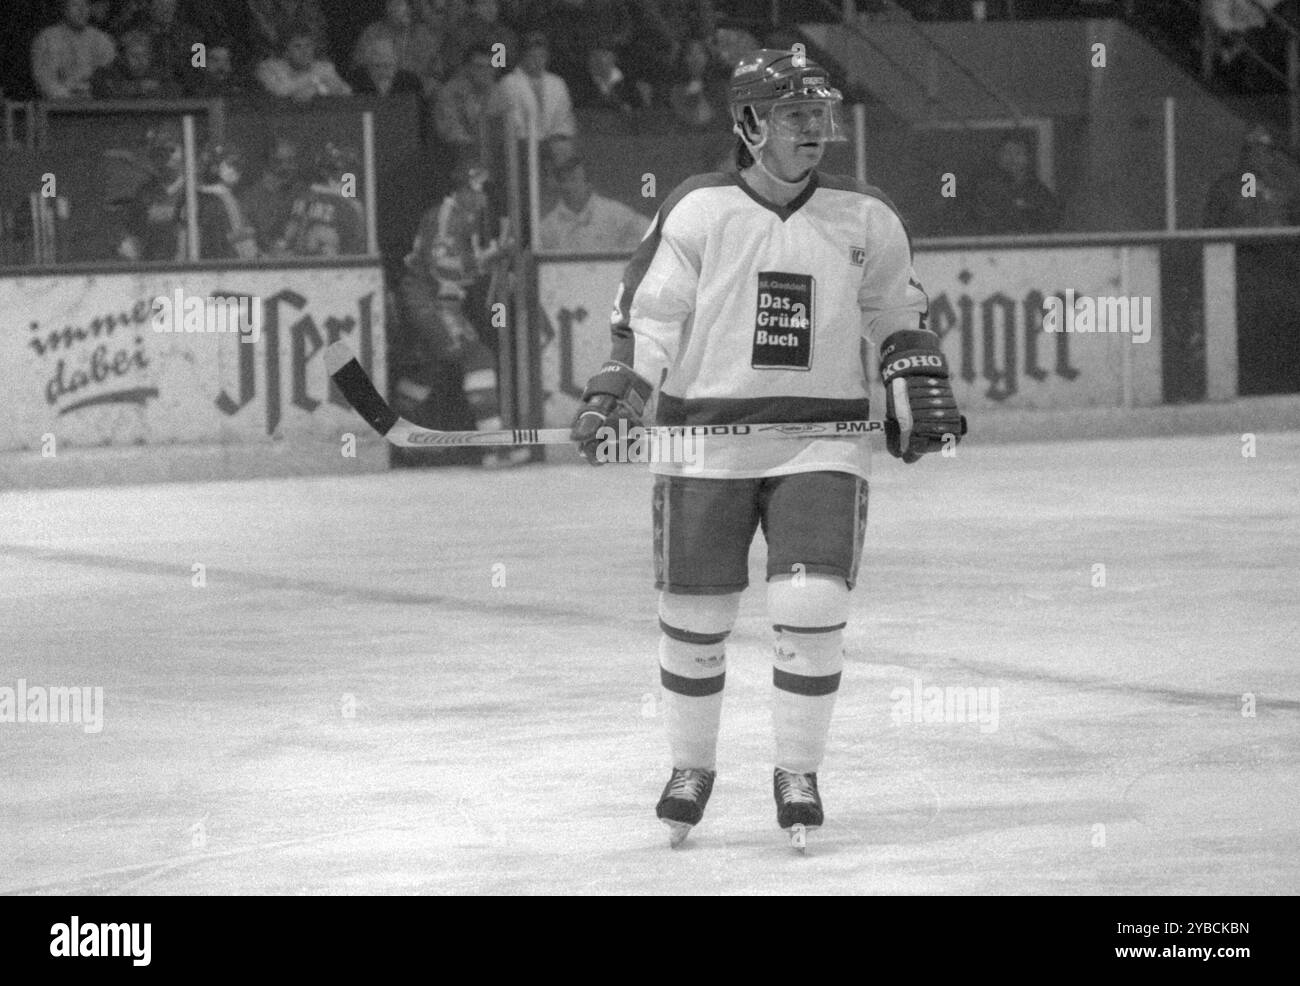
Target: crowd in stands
[[535, 63], [466, 57]]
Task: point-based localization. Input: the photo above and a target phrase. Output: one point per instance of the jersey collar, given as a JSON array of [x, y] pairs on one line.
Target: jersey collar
[[782, 212]]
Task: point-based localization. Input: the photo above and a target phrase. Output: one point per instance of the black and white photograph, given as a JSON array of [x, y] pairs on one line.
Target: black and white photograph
[[516, 448]]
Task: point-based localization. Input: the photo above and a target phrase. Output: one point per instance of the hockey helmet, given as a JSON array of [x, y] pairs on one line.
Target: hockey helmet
[[788, 90]]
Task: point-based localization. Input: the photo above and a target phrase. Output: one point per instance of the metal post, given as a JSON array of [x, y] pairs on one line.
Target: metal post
[[191, 188], [372, 182], [33, 200], [507, 335], [534, 187], [860, 142], [1171, 199], [1126, 361]]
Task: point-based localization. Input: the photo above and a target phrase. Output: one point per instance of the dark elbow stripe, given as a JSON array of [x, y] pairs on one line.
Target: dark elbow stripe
[[690, 637], [802, 684], [783, 628], [693, 687]]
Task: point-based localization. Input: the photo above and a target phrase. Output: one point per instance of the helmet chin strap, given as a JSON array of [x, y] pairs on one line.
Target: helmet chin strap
[[755, 151]]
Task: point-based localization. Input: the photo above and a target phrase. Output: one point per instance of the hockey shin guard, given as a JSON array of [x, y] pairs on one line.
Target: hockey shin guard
[[692, 669], [808, 617]]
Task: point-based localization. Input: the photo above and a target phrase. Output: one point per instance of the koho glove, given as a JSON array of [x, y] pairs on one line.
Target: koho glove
[[920, 409], [615, 392]]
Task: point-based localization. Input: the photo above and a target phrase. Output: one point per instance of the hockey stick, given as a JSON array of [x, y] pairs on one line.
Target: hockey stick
[[356, 385]]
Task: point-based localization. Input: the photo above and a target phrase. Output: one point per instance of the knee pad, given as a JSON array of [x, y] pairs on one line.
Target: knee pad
[[695, 629], [809, 618]]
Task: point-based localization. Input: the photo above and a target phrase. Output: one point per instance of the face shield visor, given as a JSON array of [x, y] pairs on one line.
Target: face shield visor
[[809, 119]]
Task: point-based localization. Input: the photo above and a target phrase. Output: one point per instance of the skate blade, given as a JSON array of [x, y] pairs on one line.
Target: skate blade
[[799, 836], [677, 832]]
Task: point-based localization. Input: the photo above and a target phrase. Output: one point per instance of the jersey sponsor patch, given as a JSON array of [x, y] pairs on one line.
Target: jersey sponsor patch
[[784, 320], [857, 256]]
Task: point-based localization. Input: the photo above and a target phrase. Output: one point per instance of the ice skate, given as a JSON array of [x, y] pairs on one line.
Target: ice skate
[[681, 806], [798, 805]]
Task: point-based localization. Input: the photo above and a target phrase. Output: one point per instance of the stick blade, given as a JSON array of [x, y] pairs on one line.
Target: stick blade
[[356, 386]]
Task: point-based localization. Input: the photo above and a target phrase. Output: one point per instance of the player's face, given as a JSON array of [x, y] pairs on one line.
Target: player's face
[[789, 157]]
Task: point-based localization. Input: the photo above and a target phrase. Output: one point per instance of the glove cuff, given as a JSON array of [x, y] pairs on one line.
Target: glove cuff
[[912, 352], [621, 382]]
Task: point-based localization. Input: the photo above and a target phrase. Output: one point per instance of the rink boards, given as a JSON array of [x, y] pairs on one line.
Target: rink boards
[[85, 366], [988, 306]]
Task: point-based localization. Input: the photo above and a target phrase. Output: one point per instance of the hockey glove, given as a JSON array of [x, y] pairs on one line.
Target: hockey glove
[[919, 405], [614, 393]]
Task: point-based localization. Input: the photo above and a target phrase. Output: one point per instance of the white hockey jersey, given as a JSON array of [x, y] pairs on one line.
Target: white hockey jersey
[[741, 311]]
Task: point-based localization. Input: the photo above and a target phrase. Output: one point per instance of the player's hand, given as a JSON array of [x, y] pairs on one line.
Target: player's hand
[[920, 409], [614, 393]]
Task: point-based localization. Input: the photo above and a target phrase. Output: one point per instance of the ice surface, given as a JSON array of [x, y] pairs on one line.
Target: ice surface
[[504, 737]]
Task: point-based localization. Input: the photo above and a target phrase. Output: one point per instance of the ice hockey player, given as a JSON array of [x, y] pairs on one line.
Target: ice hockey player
[[448, 259], [748, 301], [328, 218]]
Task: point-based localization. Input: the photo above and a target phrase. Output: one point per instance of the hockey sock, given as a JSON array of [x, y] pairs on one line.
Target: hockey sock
[[806, 678], [480, 387], [692, 669], [808, 659]]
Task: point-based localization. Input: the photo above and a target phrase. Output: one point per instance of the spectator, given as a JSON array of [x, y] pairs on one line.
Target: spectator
[[571, 25], [604, 86], [416, 48], [66, 55], [218, 79], [268, 204], [535, 95], [224, 233], [1011, 199], [172, 38], [300, 75], [649, 49], [271, 23], [481, 26], [1276, 199], [730, 45], [133, 75], [687, 20], [698, 96], [378, 73], [584, 222], [467, 102]]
